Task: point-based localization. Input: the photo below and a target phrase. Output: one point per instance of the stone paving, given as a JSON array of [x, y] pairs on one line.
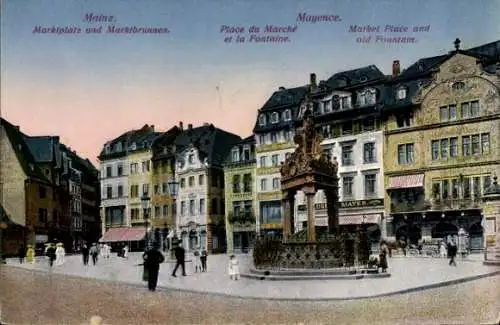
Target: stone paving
[[407, 275]]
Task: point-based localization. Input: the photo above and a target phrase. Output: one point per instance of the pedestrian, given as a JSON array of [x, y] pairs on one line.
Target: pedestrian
[[197, 261], [203, 259], [30, 255], [180, 255], [442, 249], [233, 268], [106, 250], [452, 252], [60, 253], [94, 252], [152, 260], [382, 258], [50, 252], [85, 254], [21, 253], [125, 252]]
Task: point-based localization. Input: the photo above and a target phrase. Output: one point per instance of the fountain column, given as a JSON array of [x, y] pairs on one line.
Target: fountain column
[[287, 227], [311, 225]]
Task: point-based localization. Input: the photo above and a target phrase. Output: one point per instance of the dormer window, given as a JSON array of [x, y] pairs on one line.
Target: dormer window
[[246, 153], [458, 86], [401, 93], [191, 159], [367, 97], [262, 119], [118, 146], [275, 118], [106, 148], [327, 106], [287, 116], [133, 146], [344, 102], [235, 154]]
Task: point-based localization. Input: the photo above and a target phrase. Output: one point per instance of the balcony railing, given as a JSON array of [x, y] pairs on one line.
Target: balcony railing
[[242, 217], [436, 205]]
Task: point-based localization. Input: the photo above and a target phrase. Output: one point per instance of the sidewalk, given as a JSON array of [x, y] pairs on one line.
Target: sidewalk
[[407, 275]]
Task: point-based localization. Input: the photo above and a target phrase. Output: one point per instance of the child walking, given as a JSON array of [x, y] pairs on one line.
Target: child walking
[[234, 268]]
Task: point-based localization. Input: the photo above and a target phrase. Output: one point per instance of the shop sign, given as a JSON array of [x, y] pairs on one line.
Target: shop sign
[[361, 203]]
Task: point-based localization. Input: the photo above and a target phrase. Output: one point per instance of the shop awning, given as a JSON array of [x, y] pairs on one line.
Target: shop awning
[[406, 181], [359, 219], [123, 234]]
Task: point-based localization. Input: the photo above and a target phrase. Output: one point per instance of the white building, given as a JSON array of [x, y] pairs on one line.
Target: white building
[[200, 154]]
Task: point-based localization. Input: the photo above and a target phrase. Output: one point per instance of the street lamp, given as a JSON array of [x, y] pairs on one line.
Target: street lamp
[[173, 188], [145, 208]]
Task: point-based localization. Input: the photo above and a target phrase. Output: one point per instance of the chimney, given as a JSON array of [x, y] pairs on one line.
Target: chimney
[[152, 127], [190, 126], [312, 79], [396, 69], [17, 127], [181, 125], [206, 124], [281, 88]]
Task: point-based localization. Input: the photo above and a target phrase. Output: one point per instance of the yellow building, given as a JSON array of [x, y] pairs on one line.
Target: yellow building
[[441, 144], [163, 165]]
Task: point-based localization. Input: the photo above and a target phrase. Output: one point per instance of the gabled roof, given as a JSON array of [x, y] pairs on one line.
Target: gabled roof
[[211, 142], [248, 140], [126, 139], [285, 97], [355, 77], [165, 140], [24, 155]]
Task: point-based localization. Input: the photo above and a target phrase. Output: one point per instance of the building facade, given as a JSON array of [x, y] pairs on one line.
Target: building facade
[[274, 132], [441, 136], [240, 196], [200, 154], [162, 202]]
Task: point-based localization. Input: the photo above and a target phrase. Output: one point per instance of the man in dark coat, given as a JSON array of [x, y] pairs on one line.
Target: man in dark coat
[[22, 254], [152, 260], [85, 254], [203, 259], [51, 253], [180, 254], [452, 252]]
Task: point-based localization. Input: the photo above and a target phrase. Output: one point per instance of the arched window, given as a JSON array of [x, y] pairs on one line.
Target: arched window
[[262, 119], [275, 118], [401, 93], [287, 115]]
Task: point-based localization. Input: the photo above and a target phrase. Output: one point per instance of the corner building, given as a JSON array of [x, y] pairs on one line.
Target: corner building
[[274, 132], [442, 143]]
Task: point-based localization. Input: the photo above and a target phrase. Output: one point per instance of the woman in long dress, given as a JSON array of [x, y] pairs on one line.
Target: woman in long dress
[[234, 268], [60, 253]]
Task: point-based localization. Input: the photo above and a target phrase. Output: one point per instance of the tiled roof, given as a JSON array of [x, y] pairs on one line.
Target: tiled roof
[[126, 139], [165, 140], [285, 97], [355, 77], [212, 143], [248, 140], [23, 153]]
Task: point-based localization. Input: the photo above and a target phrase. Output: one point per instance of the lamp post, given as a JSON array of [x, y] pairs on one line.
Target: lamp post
[[145, 208], [173, 188], [165, 235]]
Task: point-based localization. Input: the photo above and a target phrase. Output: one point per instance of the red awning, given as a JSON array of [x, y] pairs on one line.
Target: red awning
[[359, 219], [406, 181], [134, 234], [113, 235]]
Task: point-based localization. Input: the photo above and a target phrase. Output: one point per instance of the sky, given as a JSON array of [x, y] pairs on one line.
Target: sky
[[89, 88]]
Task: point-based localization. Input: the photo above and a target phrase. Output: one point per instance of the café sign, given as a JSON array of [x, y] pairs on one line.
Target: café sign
[[361, 203]]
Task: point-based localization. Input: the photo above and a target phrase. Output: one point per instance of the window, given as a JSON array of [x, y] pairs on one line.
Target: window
[[288, 135], [453, 112], [191, 207], [444, 149], [287, 116], [476, 187], [465, 110], [476, 149], [369, 153], [275, 118], [109, 192], [445, 186], [191, 159], [485, 143], [183, 208], [347, 128], [368, 124], [454, 189], [458, 86], [401, 93], [262, 139], [42, 215], [327, 106], [347, 155], [327, 153], [183, 183], [453, 147], [405, 153], [470, 109], [157, 211], [246, 154], [474, 109], [156, 189], [466, 151], [236, 184], [134, 191], [486, 183], [120, 170], [165, 210], [262, 119], [263, 184], [42, 192], [443, 114], [466, 187], [109, 171], [191, 181], [370, 184], [201, 179], [215, 209], [145, 189], [404, 120], [202, 206], [134, 214], [345, 102], [275, 160], [436, 190], [247, 183], [120, 190], [435, 149], [263, 161], [348, 186], [274, 137], [134, 168], [270, 212], [164, 188], [145, 166], [326, 131], [276, 183]]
